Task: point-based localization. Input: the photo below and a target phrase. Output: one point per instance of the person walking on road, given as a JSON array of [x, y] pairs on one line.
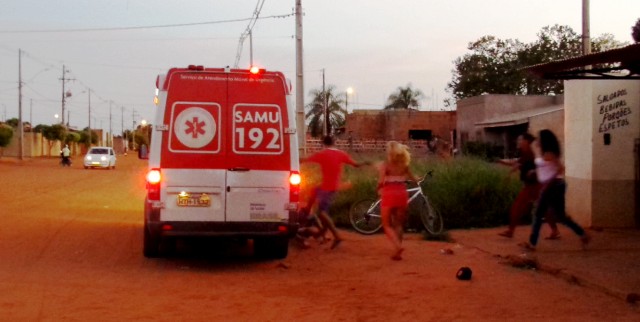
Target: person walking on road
[[330, 160], [394, 173], [550, 171], [523, 204]]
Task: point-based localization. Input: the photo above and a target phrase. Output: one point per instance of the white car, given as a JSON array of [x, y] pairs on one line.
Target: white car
[[100, 157]]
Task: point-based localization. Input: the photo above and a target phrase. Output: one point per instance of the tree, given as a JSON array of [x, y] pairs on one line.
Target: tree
[[316, 111], [13, 122], [39, 128], [404, 98], [84, 137], [635, 32], [54, 133], [6, 133], [496, 66], [72, 137], [141, 138]]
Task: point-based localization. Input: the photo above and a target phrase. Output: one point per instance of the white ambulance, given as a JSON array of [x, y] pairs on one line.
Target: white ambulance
[[223, 159]]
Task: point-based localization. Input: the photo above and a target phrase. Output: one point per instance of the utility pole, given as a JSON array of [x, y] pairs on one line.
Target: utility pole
[[89, 128], [63, 98], [250, 48], [133, 119], [325, 109], [586, 33], [124, 134], [133, 131], [300, 125], [110, 137], [20, 128], [31, 112]]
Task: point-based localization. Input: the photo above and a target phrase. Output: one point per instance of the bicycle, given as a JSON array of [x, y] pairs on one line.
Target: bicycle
[[365, 218]]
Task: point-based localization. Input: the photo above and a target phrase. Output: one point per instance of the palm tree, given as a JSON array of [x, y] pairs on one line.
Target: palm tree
[[404, 98], [316, 111]]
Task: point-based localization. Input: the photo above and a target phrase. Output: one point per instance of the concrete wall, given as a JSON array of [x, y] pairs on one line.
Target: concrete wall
[[601, 177], [553, 121], [478, 108], [35, 145]]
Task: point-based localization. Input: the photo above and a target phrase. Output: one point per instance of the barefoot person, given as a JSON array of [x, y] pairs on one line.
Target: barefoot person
[[330, 160], [394, 173], [528, 195], [550, 171]]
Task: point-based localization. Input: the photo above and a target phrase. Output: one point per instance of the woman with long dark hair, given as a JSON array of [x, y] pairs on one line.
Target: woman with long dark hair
[[550, 172]]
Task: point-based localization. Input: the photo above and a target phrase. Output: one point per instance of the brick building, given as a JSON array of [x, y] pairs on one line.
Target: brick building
[[400, 125]]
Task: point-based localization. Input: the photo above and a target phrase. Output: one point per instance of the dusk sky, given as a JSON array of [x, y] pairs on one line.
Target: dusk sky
[[370, 46]]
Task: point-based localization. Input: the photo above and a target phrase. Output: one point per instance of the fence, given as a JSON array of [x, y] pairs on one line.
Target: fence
[[367, 146]]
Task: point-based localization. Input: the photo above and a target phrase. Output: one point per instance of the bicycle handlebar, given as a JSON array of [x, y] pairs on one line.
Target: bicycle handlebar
[[423, 178]]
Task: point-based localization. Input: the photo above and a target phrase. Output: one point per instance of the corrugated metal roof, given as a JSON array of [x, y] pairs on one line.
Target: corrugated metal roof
[[628, 57], [518, 117]]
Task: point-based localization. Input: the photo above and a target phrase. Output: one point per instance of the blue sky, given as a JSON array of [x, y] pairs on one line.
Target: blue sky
[[371, 46]]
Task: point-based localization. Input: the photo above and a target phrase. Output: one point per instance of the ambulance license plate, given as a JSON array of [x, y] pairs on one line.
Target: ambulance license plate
[[194, 200]]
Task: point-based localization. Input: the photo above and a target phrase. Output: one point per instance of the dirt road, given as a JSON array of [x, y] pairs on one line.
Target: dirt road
[[71, 250]]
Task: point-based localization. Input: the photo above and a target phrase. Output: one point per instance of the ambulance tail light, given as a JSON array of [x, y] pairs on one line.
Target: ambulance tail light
[[154, 177], [294, 189]]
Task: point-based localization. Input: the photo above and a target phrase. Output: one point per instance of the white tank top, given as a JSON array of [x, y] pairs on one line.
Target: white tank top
[[546, 170]]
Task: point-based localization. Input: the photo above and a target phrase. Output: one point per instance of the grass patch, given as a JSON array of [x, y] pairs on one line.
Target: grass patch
[[468, 192]]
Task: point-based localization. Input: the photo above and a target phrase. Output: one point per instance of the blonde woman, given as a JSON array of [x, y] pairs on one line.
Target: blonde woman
[[394, 173]]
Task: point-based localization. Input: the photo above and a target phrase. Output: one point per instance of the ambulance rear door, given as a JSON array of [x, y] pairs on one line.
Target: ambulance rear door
[[258, 148], [193, 153]]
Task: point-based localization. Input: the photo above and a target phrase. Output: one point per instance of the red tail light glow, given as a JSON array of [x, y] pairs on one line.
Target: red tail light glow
[[154, 177], [295, 179], [294, 186], [153, 184]]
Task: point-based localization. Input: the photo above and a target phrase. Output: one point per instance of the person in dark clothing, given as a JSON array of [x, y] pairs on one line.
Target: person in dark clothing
[[530, 191]]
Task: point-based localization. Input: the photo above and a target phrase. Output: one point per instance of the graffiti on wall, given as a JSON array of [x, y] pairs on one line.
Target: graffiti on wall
[[614, 110]]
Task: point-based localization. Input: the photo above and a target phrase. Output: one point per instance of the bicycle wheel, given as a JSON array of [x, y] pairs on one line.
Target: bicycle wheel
[[431, 218], [365, 216]]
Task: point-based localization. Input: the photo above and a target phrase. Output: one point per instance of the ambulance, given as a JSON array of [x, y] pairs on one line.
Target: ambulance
[[223, 159]]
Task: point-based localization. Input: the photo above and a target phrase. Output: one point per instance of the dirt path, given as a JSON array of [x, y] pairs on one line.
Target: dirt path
[[71, 250]]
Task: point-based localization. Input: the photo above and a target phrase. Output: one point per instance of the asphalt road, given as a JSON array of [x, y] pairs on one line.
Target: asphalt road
[[71, 250]]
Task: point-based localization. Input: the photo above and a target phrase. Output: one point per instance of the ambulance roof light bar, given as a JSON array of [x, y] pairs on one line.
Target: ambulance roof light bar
[[196, 67], [255, 70]]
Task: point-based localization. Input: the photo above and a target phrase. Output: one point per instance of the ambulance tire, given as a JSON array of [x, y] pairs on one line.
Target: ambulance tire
[[271, 248], [151, 245]]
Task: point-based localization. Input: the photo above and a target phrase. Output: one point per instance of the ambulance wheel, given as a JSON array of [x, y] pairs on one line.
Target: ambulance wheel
[[271, 248], [151, 244]]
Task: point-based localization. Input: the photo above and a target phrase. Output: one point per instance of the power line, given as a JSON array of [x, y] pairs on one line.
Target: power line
[[141, 27], [247, 31]]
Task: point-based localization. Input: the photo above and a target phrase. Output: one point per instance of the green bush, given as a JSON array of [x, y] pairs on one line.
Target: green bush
[[486, 151], [6, 133], [468, 192]]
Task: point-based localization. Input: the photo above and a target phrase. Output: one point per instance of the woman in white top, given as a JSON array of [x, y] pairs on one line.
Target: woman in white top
[[550, 171]]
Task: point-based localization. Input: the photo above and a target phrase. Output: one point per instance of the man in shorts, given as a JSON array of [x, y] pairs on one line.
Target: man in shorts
[[330, 160]]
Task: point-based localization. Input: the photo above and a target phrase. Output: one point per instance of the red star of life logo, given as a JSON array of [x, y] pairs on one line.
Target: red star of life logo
[[194, 127]]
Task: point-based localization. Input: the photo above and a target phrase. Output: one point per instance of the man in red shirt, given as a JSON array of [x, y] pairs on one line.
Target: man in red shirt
[[330, 160]]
